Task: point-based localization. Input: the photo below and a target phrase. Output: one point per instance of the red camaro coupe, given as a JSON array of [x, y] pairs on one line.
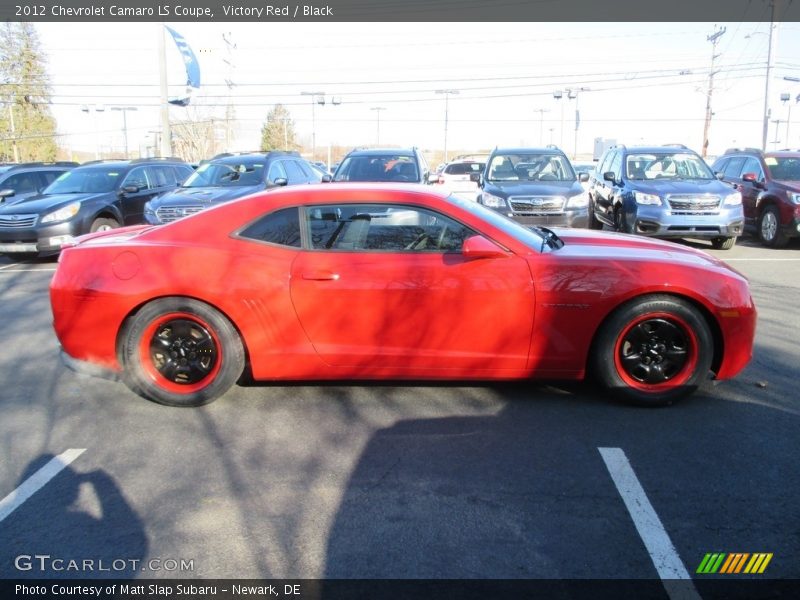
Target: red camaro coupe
[[358, 282]]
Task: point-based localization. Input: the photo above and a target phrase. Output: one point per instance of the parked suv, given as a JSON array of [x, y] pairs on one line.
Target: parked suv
[[93, 197], [666, 192], [376, 164], [23, 180], [535, 186], [456, 177], [230, 176], [770, 187]]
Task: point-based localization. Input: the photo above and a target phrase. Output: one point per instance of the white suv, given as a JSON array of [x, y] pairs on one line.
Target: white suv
[[455, 178]]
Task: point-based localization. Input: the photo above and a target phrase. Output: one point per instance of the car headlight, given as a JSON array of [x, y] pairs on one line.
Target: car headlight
[[795, 198], [493, 201], [62, 214], [734, 199], [646, 198], [579, 201]]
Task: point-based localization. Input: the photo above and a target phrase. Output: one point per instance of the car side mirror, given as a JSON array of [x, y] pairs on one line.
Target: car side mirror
[[753, 178], [719, 175], [477, 246], [326, 178], [583, 177], [280, 182], [475, 177], [129, 189], [609, 176], [6, 193]]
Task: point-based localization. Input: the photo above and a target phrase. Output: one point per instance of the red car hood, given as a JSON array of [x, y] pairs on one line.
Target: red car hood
[[618, 246]]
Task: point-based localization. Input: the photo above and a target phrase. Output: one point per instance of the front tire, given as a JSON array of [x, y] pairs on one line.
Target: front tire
[[723, 243], [653, 350], [181, 352], [769, 228], [594, 222], [103, 224]]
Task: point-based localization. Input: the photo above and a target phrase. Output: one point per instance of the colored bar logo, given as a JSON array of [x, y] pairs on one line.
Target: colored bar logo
[[734, 562]]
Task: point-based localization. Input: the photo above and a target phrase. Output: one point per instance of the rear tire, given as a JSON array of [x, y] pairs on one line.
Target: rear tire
[[723, 243], [653, 350], [181, 352], [769, 228]]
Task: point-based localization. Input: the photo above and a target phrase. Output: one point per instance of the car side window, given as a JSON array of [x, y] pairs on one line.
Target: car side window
[[383, 227], [293, 170], [281, 227], [138, 178], [307, 172], [181, 173], [605, 163], [751, 165], [616, 165], [21, 183], [276, 171], [49, 177], [734, 168], [160, 176], [719, 166]]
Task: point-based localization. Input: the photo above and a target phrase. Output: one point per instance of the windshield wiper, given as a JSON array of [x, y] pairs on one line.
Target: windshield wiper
[[549, 237]]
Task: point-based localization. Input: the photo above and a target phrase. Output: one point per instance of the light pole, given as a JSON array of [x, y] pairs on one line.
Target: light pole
[[447, 94], [124, 110], [378, 110], [316, 98], [573, 93], [558, 94], [766, 80], [541, 112], [98, 108]]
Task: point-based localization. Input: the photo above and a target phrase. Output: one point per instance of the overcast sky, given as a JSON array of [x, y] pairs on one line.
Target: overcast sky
[[646, 82]]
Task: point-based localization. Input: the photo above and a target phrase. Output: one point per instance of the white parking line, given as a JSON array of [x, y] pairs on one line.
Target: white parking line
[[3, 270], [674, 576], [36, 481]]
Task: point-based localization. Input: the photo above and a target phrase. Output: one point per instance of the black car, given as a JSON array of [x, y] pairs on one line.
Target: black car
[[665, 192], [383, 165], [229, 176], [770, 186], [23, 180], [535, 186], [93, 197]]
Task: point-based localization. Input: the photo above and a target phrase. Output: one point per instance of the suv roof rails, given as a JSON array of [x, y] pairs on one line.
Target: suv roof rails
[[157, 158], [684, 146], [788, 150], [102, 160], [735, 150], [552, 147], [59, 163], [247, 152]]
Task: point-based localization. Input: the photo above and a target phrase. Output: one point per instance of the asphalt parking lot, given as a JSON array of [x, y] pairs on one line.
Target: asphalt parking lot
[[399, 481]]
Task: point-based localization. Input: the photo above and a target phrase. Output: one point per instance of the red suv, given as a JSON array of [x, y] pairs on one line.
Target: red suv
[[770, 186]]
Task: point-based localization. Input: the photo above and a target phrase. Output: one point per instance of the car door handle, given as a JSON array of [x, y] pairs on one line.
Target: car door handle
[[321, 276]]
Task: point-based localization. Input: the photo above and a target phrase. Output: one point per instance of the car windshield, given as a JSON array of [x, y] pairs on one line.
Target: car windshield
[[91, 180], [464, 168], [383, 167], [509, 226], [225, 175], [784, 168], [666, 165], [530, 167]]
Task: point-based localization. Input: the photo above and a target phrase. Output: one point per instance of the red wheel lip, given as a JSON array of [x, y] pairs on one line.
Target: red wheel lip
[[675, 381], [155, 376]]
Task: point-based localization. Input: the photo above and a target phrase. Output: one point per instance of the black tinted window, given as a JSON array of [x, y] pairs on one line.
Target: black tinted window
[[734, 167], [281, 227]]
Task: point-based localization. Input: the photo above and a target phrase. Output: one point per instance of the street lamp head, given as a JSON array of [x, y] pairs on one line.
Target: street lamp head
[[785, 97], [558, 94]]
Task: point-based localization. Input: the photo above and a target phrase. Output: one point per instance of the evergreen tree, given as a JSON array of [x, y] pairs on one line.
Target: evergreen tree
[[277, 133], [25, 116]]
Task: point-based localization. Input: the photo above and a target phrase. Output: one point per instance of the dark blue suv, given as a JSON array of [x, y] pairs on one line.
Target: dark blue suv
[[665, 192], [535, 186]]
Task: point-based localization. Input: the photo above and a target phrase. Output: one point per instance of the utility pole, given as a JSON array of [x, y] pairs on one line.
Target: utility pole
[[166, 137], [230, 46], [541, 112], [378, 110], [767, 111], [316, 98], [714, 39], [447, 94], [13, 131]]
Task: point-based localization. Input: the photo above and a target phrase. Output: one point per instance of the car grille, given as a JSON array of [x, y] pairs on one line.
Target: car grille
[[18, 221], [537, 205], [686, 204], [167, 214]]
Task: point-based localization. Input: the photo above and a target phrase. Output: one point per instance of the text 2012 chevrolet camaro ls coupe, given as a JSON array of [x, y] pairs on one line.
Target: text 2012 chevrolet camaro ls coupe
[[366, 282]]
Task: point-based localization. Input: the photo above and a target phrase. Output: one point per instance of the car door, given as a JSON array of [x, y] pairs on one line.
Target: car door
[[604, 198], [385, 288], [132, 203], [750, 190]]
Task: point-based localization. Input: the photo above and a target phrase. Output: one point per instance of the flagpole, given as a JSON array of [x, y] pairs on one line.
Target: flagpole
[[166, 137]]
